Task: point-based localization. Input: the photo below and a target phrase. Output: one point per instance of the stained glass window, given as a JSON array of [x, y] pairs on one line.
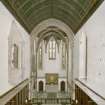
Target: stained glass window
[[52, 49]]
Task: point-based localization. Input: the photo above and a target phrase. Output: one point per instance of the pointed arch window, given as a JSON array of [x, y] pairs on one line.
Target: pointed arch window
[[15, 56], [52, 49], [63, 55], [40, 58]]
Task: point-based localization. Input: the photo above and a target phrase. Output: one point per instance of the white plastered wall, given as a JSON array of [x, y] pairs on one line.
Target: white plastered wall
[[94, 29], [79, 57], [21, 39], [6, 22]]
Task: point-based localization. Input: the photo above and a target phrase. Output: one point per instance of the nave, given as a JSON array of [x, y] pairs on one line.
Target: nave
[[52, 52]]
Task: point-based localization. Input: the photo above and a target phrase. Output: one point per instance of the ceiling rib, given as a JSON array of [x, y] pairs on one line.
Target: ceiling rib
[[69, 6], [26, 1], [72, 12], [34, 6]]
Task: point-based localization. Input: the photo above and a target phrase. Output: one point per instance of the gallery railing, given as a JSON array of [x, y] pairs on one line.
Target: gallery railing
[[17, 95]]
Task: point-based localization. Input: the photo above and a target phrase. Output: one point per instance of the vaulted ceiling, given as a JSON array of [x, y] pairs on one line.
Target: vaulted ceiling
[[72, 12]]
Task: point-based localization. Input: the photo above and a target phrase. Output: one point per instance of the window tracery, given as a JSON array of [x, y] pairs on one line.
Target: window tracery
[[52, 49]]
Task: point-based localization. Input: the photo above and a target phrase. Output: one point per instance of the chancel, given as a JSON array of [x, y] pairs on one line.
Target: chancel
[[52, 52]]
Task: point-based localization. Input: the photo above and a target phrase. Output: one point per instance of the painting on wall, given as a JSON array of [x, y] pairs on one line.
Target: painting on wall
[[52, 79]]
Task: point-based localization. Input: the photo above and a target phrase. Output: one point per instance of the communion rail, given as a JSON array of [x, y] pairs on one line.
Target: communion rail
[[40, 98], [39, 101]]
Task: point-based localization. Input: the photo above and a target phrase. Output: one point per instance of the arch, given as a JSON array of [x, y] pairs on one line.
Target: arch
[[61, 29], [48, 32], [62, 86], [53, 22], [41, 86]]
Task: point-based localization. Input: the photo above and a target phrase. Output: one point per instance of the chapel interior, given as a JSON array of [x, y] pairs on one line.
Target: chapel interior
[[52, 52]]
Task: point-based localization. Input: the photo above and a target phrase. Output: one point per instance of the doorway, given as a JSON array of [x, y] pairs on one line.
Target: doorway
[[62, 86], [40, 86]]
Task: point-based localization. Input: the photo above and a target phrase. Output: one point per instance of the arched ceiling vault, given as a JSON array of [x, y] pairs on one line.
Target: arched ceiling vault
[[72, 12], [57, 33]]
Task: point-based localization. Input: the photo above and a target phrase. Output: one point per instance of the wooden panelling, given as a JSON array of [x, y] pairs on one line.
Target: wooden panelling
[[20, 97], [81, 98]]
